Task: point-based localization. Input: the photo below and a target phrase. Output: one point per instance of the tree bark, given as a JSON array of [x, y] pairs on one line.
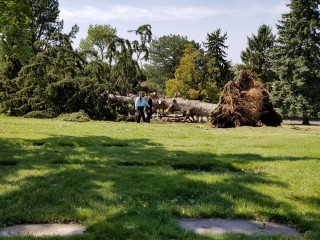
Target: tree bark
[[188, 108], [305, 121]]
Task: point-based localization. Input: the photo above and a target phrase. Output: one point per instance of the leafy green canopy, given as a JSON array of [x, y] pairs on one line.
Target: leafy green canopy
[[60, 79], [195, 76], [296, 60], [41, 73], [119, 57], [202, 73], [165, 55], [22, 24]]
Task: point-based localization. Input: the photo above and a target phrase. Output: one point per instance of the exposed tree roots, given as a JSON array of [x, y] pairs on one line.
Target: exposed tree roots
[[245, 102]]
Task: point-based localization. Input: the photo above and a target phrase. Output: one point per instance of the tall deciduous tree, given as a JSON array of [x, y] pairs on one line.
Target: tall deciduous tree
[[44, 21], [195, 77], [101, 42], [15, 50], [296, 60], [22, 24], [187, 75], [216, 48], [257, 54]]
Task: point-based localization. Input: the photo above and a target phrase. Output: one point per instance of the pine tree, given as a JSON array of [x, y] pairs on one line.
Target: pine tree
[[256, 57], [216, 49], [296, 60]]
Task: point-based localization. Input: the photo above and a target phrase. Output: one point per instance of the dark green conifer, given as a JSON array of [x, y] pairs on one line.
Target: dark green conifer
[[296, 60], [216, 49], [256, 56]]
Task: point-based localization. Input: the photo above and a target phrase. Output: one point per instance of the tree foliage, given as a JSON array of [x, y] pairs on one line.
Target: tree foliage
[[57, 80], [14, 24], [165, 55], [296, 60], [44, 21], [142, 47], [256, 57], [195, 76], [22, 24], [201, 74], [117, 57], [216, 48], [52, 77], [100, 42], [187, 75]]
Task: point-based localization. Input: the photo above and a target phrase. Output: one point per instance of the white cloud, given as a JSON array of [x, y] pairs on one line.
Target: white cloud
[[159, 13], [254, 10], [128, 13]]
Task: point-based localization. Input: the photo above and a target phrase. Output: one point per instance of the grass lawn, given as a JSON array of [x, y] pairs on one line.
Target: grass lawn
[[130, 181]]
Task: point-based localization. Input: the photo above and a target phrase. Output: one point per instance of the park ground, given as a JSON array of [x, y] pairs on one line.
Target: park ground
[[130, 181]]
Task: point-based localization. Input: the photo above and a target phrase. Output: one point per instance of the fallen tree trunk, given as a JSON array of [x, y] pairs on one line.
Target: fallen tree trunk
[[189, 108]]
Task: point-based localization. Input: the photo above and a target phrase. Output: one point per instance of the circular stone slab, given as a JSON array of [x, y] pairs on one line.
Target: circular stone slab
[[39, 230], [220, 226]]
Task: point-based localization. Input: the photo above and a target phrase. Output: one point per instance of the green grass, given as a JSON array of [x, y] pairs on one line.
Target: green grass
[[130, 181]]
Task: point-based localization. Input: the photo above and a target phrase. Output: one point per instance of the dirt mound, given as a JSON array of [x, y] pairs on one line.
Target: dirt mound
[[245, 102]]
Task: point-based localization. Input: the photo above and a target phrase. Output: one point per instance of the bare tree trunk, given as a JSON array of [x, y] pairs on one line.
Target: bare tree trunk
[[189, 108], [305, 121]]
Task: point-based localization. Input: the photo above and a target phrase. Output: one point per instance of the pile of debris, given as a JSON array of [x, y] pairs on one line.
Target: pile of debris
[[245, 102]]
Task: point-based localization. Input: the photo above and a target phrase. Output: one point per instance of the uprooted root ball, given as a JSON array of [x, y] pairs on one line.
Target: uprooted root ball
[[245, 102]]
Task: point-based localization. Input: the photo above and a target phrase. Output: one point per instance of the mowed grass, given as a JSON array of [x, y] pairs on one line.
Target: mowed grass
[[130, 181]]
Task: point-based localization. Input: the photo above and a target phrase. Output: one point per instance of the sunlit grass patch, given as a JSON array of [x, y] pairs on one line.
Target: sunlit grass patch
[[130, 181]]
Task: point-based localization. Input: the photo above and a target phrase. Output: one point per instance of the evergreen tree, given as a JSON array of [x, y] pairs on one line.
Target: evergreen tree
[[58, 80], [216, 49], [126, 71], [256, 57], [296, 60]]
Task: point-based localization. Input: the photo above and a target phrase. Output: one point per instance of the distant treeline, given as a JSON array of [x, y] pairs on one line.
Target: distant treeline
[[42, 75]]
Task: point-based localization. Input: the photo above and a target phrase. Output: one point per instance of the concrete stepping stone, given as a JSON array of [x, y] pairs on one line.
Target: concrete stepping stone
[[220, 226], [40, 230]]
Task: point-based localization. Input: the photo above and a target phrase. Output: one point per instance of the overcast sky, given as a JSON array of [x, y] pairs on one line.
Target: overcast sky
[[191, 18]]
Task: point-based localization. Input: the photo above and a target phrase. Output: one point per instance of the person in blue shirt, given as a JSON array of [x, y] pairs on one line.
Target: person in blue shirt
[[139, 106]]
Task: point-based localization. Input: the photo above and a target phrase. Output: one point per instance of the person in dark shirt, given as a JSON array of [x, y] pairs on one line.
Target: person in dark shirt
[[149, 109]]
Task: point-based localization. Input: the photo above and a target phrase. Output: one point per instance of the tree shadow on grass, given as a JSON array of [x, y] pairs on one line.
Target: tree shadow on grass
[[130, 189]]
